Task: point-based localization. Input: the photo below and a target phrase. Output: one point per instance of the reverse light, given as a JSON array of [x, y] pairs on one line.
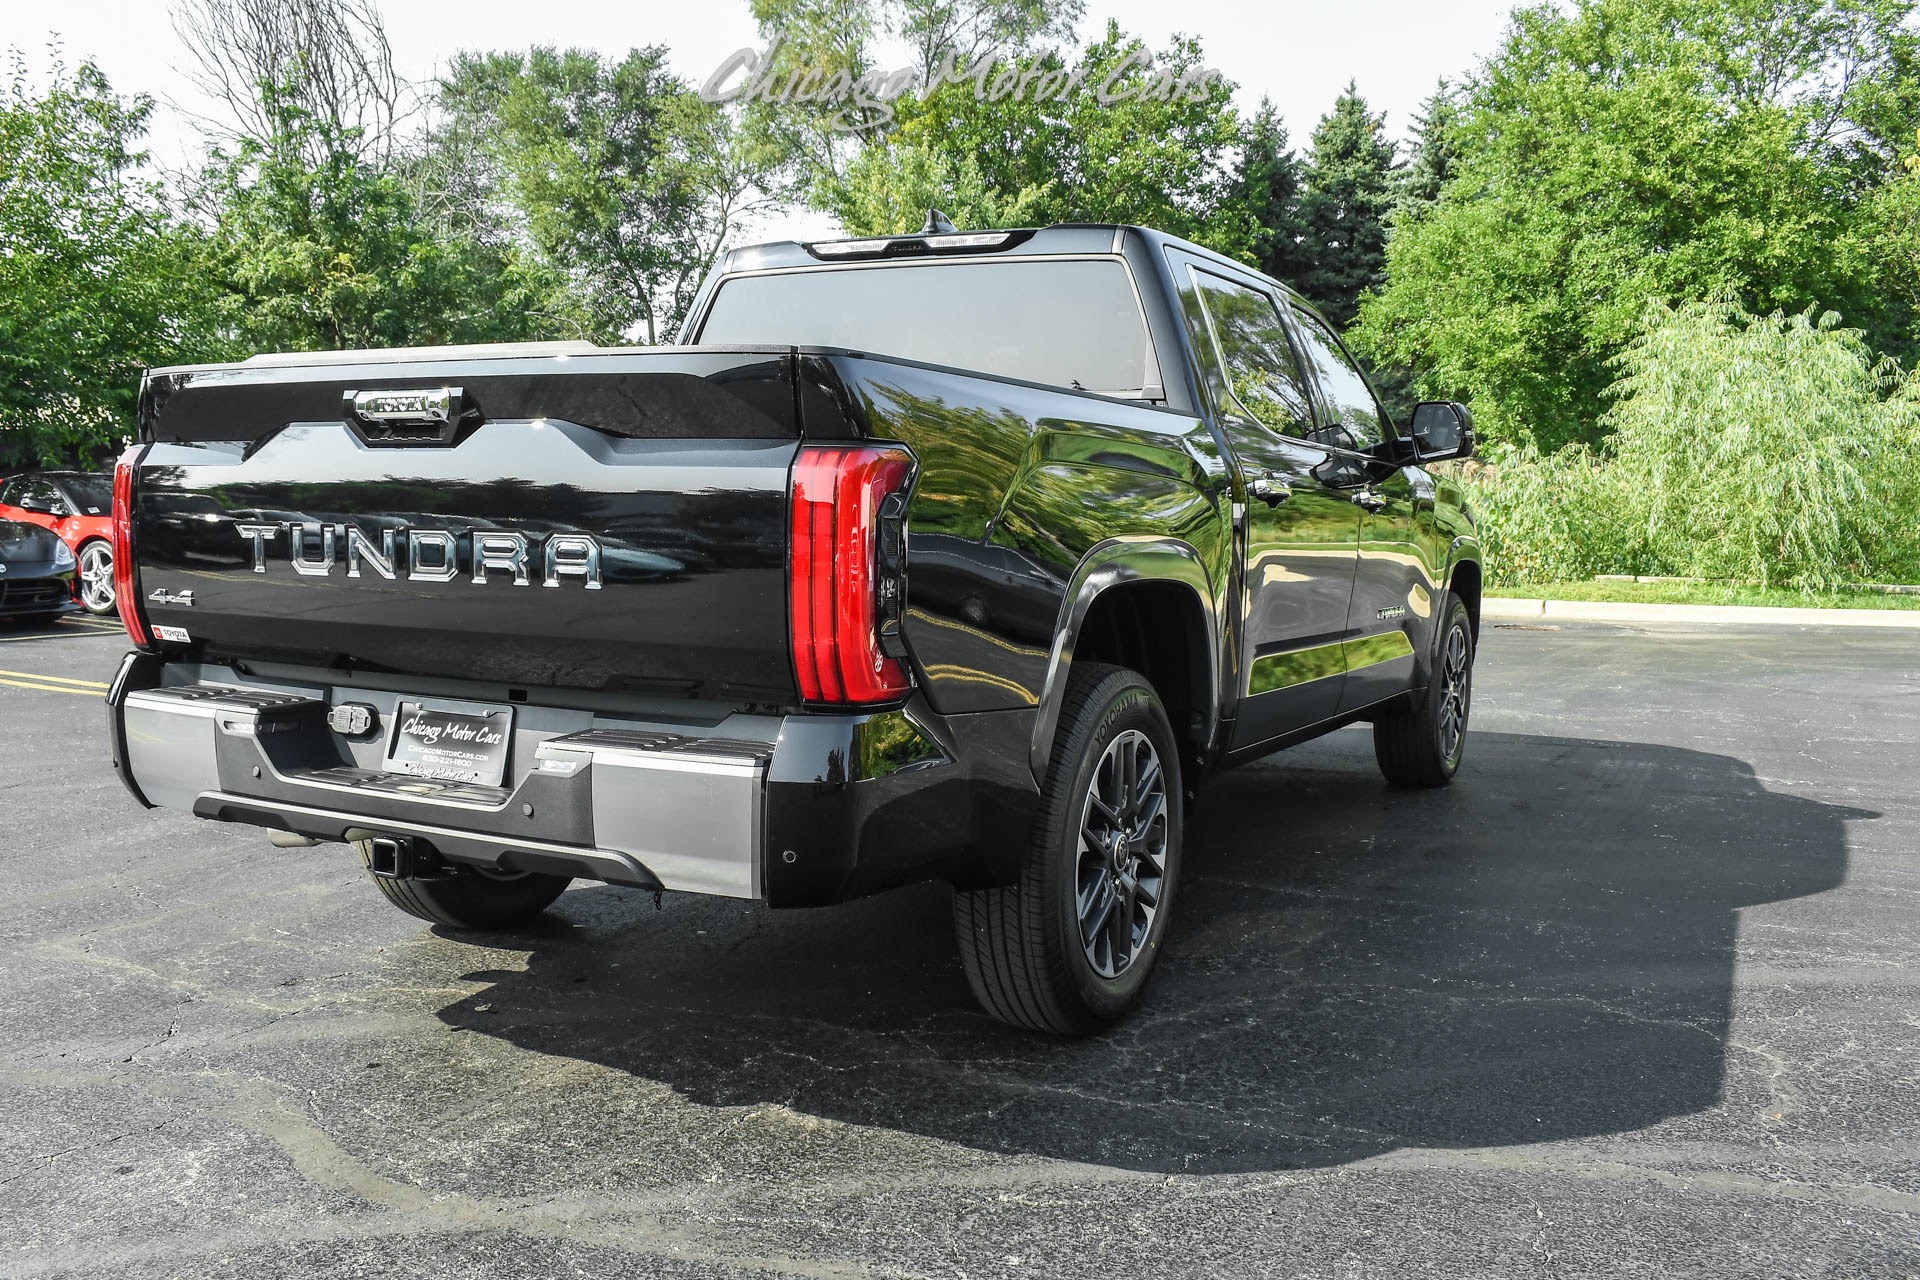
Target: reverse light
[[846, 583], [126, 592]]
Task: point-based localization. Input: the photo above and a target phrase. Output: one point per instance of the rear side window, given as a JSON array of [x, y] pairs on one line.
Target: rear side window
[[94, 494], [1074, 324], [1254, 353]]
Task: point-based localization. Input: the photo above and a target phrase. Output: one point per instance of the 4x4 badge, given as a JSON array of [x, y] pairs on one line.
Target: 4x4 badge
[[163, 596]]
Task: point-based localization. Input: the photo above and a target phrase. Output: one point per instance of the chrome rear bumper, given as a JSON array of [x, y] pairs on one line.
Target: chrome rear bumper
[[802, 809], [658, 806]]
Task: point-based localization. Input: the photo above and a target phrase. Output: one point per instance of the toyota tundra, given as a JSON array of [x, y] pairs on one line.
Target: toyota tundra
[[959, 556]]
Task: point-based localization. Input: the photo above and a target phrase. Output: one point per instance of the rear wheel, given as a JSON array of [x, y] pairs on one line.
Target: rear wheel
[[470, 897], [1420, 745], [96, 577], [1069, 948]]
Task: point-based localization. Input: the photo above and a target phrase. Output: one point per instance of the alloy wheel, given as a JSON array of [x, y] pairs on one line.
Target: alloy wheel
[[1455, 689], [96, 577], [1122, 860]]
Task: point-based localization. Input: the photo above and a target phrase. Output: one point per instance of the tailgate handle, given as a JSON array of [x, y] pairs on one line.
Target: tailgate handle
[[415, 416]]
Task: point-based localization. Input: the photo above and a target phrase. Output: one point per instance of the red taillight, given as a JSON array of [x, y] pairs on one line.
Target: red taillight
[[841, 596], [126, 595]]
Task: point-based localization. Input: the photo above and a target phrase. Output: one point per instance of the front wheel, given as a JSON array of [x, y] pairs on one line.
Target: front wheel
[[1069, 948], [470, 898], [1420, 745], [96, 577]]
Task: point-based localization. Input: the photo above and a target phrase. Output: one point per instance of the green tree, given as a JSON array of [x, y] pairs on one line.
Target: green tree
[[94, 284], [1349, 193], [622, 179], [1160, 151], [328, 255], [967, 30], [1755, 444], [1435, 152], [1773, 449], [1612, 155], [888, 190], [827, 40], [1268, 187], [1884, 247]]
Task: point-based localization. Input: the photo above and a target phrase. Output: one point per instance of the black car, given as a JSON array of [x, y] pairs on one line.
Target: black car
[[37, 573], [77, 505]]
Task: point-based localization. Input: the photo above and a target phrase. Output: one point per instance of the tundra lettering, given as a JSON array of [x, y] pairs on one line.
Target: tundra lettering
[[565, 554]]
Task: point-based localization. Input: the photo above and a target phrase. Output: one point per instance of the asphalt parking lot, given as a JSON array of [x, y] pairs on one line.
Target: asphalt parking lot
[[1636, 996]]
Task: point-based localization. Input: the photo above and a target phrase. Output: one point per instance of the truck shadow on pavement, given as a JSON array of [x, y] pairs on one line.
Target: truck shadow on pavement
[[1543, 951]]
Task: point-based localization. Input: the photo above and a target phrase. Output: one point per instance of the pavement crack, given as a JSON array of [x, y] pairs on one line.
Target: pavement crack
[[53, 1158]]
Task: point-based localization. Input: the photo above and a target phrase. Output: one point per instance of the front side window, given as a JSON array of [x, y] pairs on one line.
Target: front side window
[[1255, 356], [44, 496], [1062, 323], [1356, 418]]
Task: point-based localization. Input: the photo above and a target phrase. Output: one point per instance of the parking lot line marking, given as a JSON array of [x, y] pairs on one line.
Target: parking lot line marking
[[64, 633], [51, 688], [35, 675]]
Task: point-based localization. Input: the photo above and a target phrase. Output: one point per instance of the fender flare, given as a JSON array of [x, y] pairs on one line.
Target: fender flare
[[1465, 547], [1108, 564]]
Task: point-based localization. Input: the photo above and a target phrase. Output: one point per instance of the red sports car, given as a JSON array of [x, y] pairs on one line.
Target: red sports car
[[78, 506]]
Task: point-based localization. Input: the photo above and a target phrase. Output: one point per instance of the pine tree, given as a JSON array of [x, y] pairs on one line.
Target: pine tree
[[1435, 152], [1350, 181], [1269, 186]]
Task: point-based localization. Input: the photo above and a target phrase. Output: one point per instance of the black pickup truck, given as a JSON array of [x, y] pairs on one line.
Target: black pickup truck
[[955, 556]]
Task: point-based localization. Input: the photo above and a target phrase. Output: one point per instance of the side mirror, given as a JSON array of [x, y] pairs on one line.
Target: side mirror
[[1443, 430], [36, 504]]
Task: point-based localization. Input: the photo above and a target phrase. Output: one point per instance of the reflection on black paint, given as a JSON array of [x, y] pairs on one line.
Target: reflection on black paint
[[693, 558]]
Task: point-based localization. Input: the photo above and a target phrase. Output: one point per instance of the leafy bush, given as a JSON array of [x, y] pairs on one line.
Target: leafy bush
[[1771, 449], [1552, 517]]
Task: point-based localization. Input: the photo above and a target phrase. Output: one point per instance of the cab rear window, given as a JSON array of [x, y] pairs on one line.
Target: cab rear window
[[1073, 324]]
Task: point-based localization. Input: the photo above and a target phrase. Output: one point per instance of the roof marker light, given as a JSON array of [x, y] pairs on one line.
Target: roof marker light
[[968, 240], [840, 248]]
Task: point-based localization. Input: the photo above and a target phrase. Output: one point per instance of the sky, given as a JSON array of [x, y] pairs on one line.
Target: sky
[[1299, 53]]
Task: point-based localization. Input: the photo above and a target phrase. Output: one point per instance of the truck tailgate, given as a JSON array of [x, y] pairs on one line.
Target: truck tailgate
[[599, 522]]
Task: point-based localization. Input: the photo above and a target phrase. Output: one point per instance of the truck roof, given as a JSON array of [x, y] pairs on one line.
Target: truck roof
[[1062, 237]]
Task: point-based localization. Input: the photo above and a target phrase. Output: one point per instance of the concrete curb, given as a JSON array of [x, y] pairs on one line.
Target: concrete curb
[[1716, 614]]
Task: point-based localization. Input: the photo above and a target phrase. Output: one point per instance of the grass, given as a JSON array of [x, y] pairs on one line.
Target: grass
[[1705, 593]]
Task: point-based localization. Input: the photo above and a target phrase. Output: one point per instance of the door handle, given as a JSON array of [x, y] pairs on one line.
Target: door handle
[[1370, 500], [1270, 489]]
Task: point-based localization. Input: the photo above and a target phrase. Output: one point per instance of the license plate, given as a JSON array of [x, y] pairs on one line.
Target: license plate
[[455, 741]]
